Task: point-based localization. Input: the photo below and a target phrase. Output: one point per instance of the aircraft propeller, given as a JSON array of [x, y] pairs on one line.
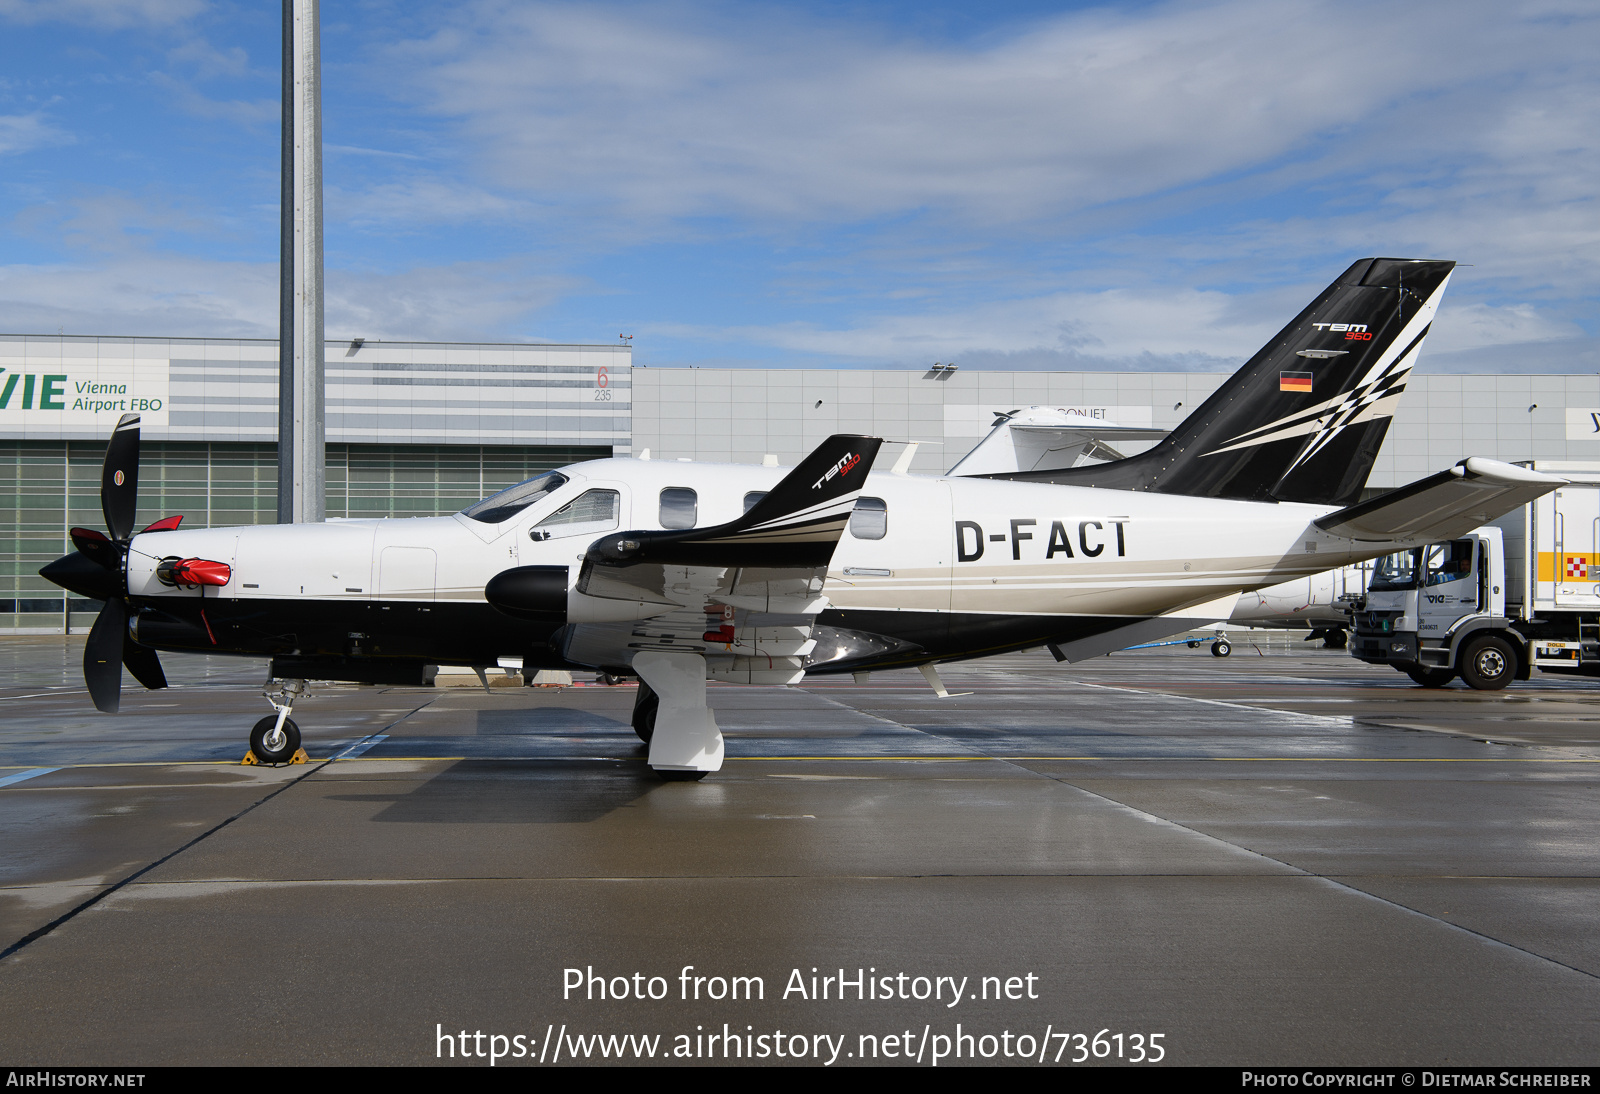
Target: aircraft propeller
[[98, 569]]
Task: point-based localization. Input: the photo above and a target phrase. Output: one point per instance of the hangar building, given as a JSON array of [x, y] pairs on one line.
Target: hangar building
[[422, 428]]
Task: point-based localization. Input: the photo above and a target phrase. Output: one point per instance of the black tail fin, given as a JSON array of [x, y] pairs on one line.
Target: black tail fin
[[1304, 418]]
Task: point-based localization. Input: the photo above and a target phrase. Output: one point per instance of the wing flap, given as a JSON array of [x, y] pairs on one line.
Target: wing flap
[[1451, 503]]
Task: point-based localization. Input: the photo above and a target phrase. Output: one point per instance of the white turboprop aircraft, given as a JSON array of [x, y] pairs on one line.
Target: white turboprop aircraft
[[679, 572]]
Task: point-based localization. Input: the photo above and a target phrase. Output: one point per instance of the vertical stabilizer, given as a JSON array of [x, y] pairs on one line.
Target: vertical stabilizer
[[1304, 418]]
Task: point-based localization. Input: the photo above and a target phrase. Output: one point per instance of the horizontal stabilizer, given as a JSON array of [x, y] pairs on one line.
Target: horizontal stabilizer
[[1443, 506]]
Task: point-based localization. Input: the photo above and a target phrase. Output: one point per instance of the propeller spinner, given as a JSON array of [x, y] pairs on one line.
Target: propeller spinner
[[98, 570]]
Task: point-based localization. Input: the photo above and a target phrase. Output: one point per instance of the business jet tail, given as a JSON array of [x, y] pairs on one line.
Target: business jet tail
[[1304, 418]]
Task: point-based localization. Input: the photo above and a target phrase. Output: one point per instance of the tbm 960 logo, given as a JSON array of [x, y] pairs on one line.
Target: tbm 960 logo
[[846, 463]]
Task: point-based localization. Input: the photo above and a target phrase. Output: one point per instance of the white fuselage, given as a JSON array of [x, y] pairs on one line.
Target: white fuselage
[[951, 547]]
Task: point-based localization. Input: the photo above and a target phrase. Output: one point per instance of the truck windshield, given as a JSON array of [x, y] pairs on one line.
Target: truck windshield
[[500, 507], [1449, 561], [1396, 571]]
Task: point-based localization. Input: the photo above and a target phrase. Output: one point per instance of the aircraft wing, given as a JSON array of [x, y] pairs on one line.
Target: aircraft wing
[[1473, 492], [745, 595], [779, 549]]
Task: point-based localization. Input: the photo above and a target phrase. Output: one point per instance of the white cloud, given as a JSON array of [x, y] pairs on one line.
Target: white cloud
[[422, 200], [749, 112], [127, 277], [25, 132], [100, 14], [1183, 329]]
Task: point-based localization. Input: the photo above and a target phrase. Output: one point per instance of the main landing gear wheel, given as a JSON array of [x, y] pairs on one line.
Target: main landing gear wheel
[[645, 705], [669, 776], [1488, 664], [1430, 678], [272, 745], [1220, 648], [1335, 640]]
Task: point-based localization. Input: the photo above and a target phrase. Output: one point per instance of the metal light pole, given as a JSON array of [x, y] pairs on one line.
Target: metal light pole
[[302, 427]]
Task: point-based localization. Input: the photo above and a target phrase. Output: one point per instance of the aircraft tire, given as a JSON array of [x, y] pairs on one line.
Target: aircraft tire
[[682, 776], [286, 749], [1430, 678], [645, 705], [1220, 648], [1335, 639], [1488, 664]]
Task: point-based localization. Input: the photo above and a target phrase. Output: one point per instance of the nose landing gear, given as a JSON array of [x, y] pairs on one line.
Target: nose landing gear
[[275, 740]]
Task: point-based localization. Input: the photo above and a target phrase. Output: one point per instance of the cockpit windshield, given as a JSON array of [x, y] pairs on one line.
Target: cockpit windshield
[[1396, 571], [497, 508]]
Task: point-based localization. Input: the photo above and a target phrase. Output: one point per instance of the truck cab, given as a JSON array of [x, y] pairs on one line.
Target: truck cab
[[1439, 611]]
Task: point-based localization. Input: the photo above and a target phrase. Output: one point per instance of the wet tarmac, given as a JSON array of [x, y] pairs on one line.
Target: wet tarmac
[[1283, 857]]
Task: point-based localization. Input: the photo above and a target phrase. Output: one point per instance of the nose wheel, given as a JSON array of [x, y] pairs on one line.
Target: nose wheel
[[276, 738]]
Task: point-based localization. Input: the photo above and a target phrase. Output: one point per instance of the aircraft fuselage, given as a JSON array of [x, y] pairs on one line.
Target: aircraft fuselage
[[964, 567]]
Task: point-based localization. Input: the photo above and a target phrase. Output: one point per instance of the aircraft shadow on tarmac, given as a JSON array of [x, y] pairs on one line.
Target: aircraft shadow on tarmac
[[546, 720], [534, 791]]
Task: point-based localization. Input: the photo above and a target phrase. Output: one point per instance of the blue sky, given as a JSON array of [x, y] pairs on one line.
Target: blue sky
[[869, 184]]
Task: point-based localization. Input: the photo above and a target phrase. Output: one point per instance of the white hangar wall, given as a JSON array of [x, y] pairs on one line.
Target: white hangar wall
[[738, 415]]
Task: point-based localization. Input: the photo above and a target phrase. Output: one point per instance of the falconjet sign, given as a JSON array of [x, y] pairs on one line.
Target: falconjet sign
[[73, 394]]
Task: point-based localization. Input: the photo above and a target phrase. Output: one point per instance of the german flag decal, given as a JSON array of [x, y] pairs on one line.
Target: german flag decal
[[1294, 381]]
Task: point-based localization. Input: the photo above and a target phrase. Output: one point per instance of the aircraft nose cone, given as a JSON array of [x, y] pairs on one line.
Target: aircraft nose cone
[[79, 574]]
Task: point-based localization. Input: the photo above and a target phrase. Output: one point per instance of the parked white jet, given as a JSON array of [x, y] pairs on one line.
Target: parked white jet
[[679, 572], [1318, 605]]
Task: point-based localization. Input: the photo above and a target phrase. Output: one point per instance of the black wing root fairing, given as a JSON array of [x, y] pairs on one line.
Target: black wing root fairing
[[796, 526]]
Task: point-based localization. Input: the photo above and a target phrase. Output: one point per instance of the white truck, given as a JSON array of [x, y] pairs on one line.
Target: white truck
[[1519, 594]]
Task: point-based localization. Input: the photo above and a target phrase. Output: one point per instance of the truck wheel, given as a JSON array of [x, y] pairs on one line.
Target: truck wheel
[[1431, 678], [1488, 664]]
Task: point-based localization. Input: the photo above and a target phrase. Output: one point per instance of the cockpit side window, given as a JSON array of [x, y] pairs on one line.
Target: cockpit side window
[[591, 512], [501, 507]]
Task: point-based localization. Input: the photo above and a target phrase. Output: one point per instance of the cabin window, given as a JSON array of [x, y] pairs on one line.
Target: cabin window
[[870, 520], [752, 497], [589, 513], [501, 507], [679, 507]]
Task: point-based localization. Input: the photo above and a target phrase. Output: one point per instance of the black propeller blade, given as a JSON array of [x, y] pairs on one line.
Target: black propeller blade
[[143, 663], [102, 656], [98, 570], [119, 478]]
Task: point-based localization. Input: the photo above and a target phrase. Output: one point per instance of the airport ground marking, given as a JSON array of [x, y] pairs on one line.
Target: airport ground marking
[[12, 780], [310, 768], [903, 758]]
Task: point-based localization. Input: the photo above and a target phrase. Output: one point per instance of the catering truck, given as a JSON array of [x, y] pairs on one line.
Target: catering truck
[[1519, 594]]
